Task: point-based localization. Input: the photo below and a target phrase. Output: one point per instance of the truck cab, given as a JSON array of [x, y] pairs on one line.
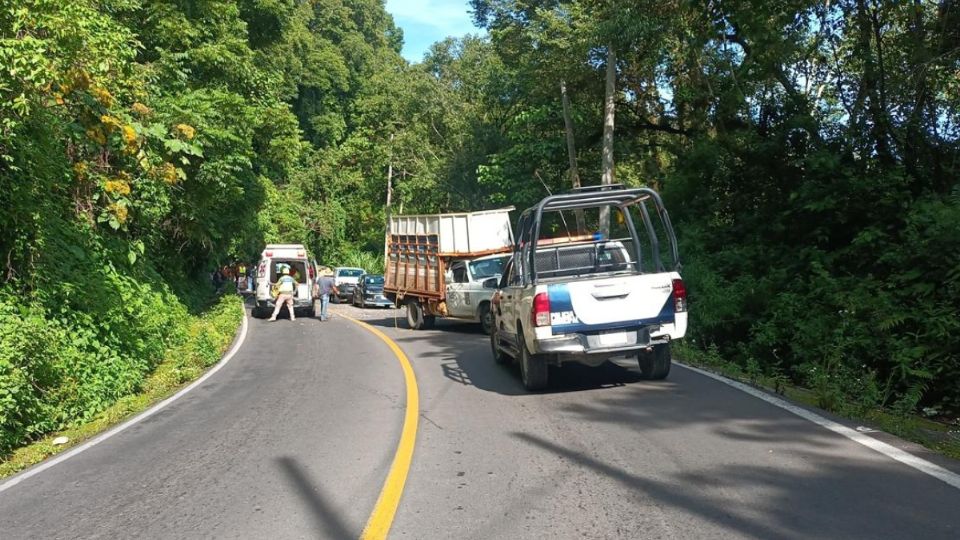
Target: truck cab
[[593, 291], [470, 286]]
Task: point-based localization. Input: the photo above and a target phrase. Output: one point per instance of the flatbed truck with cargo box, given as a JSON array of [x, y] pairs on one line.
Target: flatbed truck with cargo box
[[446, 265]]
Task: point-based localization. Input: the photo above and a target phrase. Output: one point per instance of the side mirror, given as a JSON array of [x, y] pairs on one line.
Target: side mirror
[[491, 283]]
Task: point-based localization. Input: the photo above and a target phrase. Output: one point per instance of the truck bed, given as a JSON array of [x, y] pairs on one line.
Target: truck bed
[[419, 247]]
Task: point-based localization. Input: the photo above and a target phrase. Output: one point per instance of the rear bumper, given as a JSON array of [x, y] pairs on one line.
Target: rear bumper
[[589, 347], [372, 300]]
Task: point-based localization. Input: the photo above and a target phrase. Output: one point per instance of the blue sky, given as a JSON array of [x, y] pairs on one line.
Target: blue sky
[[425, 22]]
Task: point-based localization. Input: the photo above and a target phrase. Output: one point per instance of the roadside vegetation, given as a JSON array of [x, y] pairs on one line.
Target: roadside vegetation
[[194, 344], [808, 152]]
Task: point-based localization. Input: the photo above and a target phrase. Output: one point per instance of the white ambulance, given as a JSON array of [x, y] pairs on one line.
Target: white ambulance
[[302, 268]]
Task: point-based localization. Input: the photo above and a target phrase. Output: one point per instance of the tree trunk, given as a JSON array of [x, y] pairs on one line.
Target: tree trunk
[[871, 94], [386, 238], [609, 107], [571, 150]]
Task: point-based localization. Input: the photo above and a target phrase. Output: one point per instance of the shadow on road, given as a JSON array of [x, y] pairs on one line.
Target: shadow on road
[[824, 503], [325, 517], [462, 352]]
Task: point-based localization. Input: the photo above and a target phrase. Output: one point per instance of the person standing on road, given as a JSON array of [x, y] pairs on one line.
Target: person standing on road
[[241, 278], [286, 286], [323, 289]]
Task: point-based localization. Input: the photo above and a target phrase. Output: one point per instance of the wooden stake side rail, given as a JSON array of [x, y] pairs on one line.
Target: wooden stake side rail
[[414, 266]]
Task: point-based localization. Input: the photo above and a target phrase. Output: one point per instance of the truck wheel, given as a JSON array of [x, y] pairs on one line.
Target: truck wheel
[[414, 315], [655, 364], [533, 368], [486, 318], [499, 356]]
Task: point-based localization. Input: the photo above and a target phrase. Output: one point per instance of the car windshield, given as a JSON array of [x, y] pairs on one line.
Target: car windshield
[[373, 280], [488, 268], [350, 272]]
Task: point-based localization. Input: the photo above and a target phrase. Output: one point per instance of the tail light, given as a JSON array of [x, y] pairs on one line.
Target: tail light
[[310, 271], [262, 272], [541, 310], [679, 296]]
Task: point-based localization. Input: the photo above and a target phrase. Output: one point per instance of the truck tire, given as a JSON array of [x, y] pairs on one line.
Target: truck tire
[[414, 315], [655, 365], [486, 318], [533, 367], [499, 356]]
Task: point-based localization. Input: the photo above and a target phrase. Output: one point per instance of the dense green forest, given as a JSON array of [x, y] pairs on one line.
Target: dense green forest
[[807, 150]]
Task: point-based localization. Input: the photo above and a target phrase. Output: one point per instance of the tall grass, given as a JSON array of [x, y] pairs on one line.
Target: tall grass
[[371, 262]]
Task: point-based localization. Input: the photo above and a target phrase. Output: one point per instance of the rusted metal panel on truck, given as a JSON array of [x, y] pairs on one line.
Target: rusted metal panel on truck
[[418, 247]]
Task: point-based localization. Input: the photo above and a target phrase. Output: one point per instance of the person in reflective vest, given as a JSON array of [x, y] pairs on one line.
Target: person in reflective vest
[[241, 277], [286, 287]]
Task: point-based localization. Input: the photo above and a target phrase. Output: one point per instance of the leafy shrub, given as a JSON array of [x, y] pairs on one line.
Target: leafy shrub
[[372, 263], [840, 284]]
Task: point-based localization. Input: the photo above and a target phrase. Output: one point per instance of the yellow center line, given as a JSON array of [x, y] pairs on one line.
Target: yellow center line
[[380, 520]]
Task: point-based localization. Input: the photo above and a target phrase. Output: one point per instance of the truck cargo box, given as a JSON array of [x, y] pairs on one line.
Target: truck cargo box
[[418, 247]]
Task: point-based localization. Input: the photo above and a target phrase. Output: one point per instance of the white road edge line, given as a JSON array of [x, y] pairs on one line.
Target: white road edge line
[[44, 465], [920, 464]]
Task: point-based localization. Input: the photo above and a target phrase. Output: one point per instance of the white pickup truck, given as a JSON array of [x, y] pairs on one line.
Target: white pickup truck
[[592, 294], [470, 286]]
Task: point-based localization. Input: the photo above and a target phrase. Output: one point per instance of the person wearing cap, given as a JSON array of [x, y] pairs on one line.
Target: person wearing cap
[[286, 286], [323, 288]]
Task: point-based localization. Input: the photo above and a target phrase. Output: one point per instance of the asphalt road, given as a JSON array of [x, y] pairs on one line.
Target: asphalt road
[[293, 438]]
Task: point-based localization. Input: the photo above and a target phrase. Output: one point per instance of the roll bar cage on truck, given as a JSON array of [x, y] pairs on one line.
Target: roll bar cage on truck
[[587, 297]]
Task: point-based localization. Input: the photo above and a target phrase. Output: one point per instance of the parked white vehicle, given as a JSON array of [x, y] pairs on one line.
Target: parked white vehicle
[[591, 296], [470, 287], [346, 279], [272, 260]]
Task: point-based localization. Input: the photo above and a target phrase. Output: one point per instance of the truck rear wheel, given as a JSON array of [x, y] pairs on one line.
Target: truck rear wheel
[[655, 364], [414, 315], [533, 367]]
